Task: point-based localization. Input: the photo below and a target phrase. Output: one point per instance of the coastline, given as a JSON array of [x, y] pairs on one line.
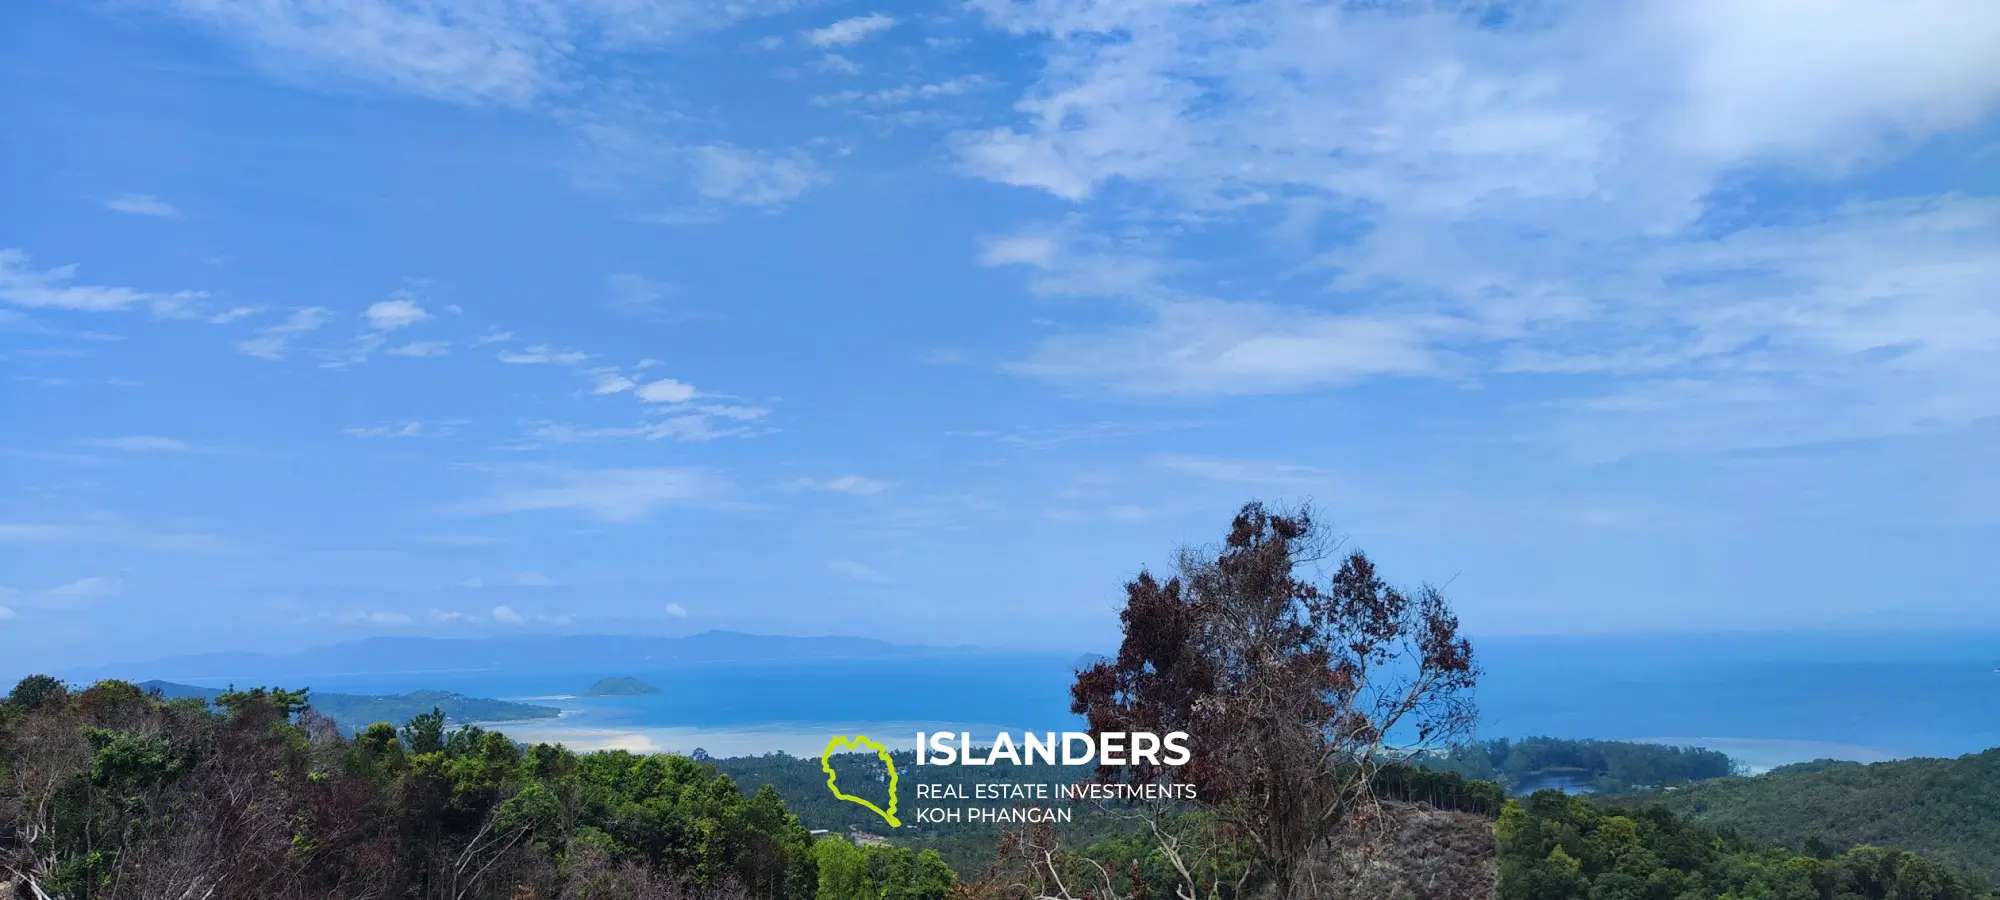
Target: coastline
[[803, 739], [1760, 755]]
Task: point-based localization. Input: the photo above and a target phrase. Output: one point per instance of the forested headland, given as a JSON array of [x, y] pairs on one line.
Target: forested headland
[[1604, 766]]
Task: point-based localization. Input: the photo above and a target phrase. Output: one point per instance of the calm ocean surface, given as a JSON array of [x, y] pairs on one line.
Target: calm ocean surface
[[1766, 699]]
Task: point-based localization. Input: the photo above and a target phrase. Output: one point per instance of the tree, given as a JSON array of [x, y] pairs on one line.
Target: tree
[[1293, 692], [33, 691], [425, 732]]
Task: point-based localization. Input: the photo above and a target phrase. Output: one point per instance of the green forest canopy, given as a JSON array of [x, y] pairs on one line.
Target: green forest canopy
[[113, 792]]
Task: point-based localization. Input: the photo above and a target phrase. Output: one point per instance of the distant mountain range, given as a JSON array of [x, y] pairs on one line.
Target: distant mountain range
[[539, 653]]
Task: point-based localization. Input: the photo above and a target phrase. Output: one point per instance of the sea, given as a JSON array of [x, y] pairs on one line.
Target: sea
[[1766, 699]]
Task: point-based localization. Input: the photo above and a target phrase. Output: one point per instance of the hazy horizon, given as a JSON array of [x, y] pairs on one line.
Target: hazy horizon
[[1837, 642]]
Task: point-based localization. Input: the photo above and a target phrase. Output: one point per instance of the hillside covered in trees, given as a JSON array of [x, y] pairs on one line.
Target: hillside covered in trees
[[1605, 766], [1948, 808], [111, 792], [1554, 847]]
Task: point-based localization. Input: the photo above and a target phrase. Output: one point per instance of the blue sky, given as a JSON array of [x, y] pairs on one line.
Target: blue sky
[[934, 322]]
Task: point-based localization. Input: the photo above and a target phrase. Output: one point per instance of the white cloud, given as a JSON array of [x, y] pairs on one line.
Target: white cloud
[[85, 588], [636, 293], [906, 94], [529, 579], [849, 31], [274, 341], [508, 52], [141, 205], [138, 444], [692, 427], [232, 314], [111, 531], [1239, 471], [637, 151], [1216, 347], [844, 484], [507, 615], [389, 315], [666, 390], [675, 610], [751, 177], [474, 582], [1037, 250], [737, 412], [271, 347], [1561, 194], [23, 285], [420, 349], [613, 495], [405, 429], [541, 354], [72, 595], [493, 337], [610, 381], [836, 64]]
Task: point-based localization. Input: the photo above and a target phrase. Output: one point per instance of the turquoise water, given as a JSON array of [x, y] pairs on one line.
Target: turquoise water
[[1766, 699]]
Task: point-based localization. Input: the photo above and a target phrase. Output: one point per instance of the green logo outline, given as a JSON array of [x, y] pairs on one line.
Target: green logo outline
[[861, 740]]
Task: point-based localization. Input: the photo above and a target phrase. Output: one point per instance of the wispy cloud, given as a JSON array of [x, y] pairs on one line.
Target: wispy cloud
[[111, 531], [691, 427], [420, 349], [140, 443], [613, 495], [609, 381], [636, 293], [78, 594], [542, 354], [676, 611], [742, 177], [1242, 471], [411, 429], [666, 390], [23, 285], [850, 31], [389, 315], [844, 484], [660, 168], [507, 615], [273, 342], [504, 52], [141, 205], [1514, 199]]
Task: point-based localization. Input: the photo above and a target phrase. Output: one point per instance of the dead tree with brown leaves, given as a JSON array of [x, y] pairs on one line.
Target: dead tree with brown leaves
[[1293, 689]]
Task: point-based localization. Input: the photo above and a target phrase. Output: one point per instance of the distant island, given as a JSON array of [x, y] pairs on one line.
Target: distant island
[[620, 687], [353, 712]]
